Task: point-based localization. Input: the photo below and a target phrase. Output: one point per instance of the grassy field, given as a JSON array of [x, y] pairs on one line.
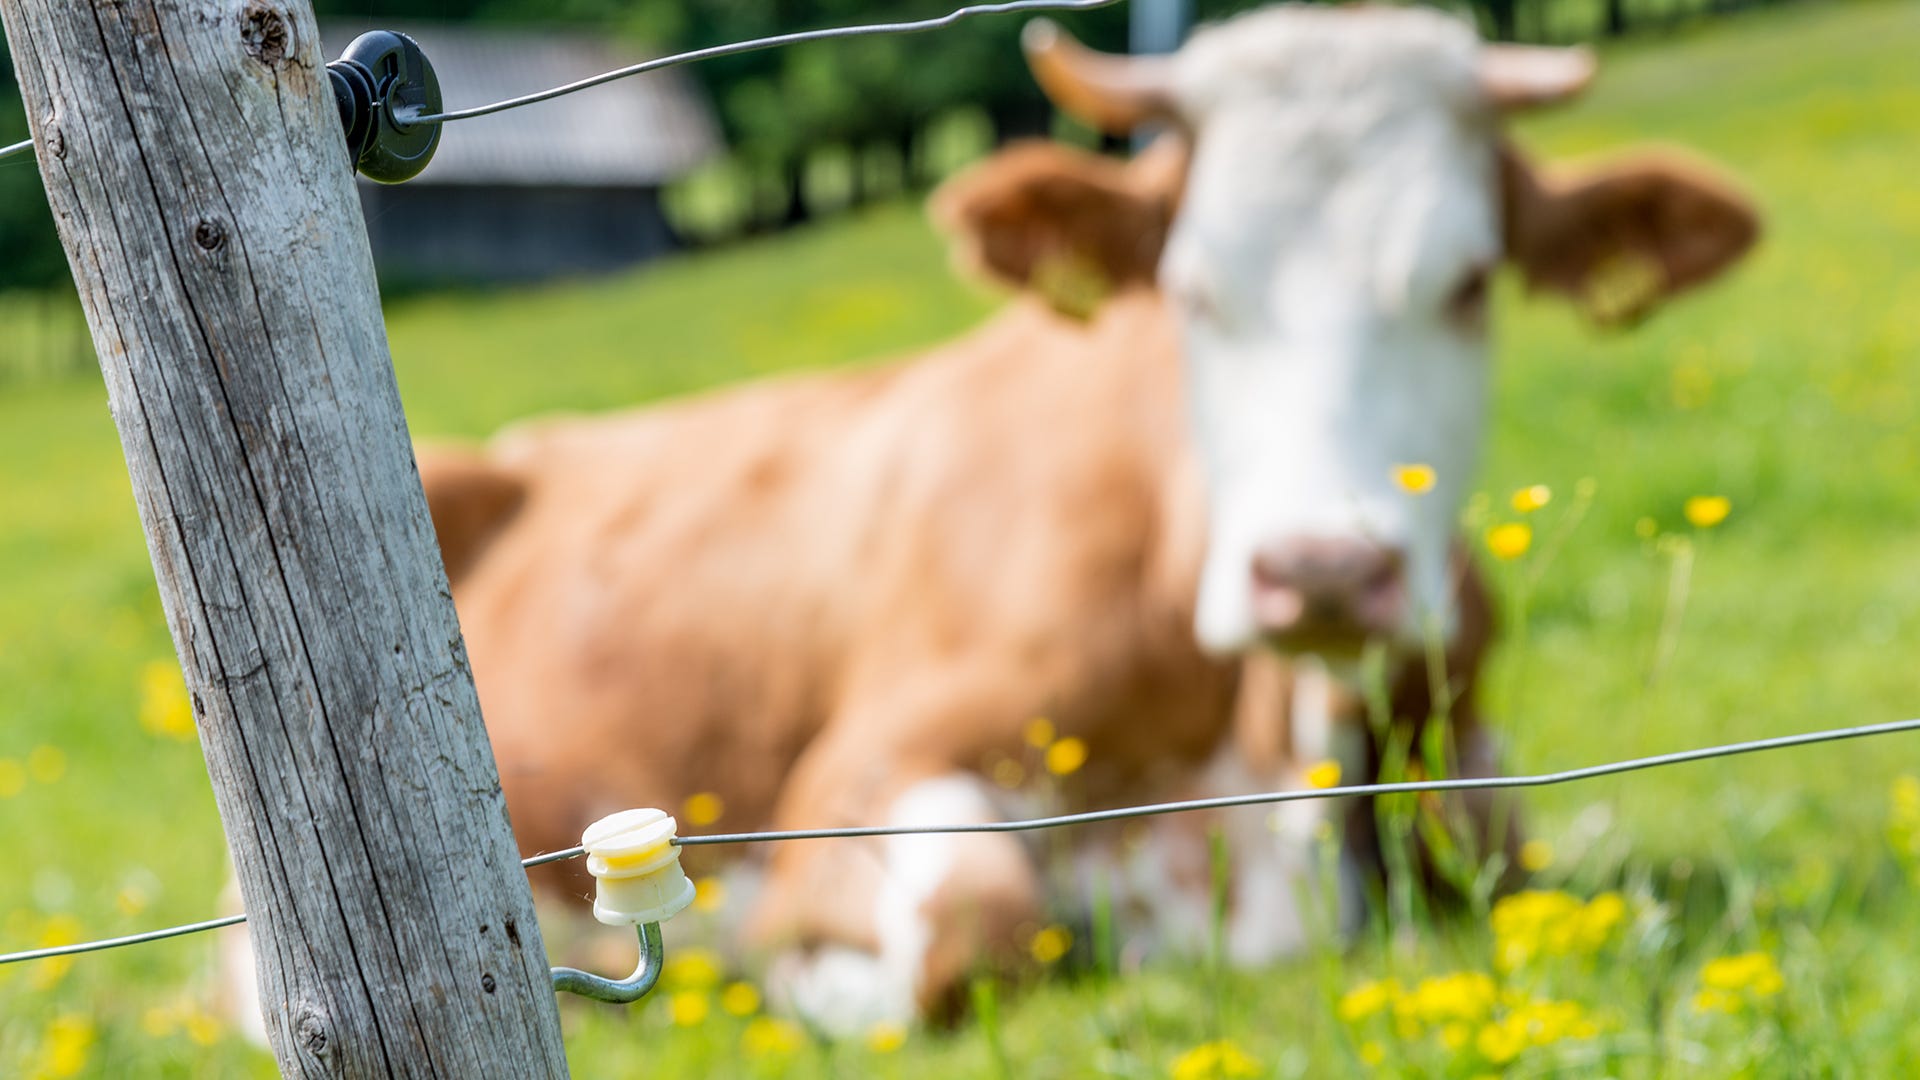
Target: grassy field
[[1789, 391]]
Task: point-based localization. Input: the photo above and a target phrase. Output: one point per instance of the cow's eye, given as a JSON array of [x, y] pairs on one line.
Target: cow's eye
[[1467, 303]]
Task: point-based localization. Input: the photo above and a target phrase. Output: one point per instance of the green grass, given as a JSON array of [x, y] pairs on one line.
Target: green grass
[[1788, 390]]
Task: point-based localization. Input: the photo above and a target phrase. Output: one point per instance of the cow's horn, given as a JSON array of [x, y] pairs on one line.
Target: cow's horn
[[1524, 76], [1113, 93]]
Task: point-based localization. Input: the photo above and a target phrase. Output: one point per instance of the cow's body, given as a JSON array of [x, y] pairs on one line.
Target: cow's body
[[899, 566], [820, 596]]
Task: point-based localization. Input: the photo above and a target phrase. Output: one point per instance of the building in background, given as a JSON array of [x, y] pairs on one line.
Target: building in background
[[564, 187]]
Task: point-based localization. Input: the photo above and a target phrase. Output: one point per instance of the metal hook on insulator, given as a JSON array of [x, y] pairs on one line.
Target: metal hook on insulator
[[618, 991], [382, 76], [636, 868]]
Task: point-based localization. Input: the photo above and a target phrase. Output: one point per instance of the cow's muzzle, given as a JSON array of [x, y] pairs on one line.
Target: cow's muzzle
[[1325, 594]]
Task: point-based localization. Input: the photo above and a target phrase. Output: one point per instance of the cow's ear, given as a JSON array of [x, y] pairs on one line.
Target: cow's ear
[[1068, 225], [1621, 238]]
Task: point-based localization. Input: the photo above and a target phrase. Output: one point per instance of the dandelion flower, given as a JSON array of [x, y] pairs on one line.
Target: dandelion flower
[[740, 999], [166, 709], [709, 894], [1372, 1053], [1528, 499], [886, 1038], [703, 808], [13, 778], [1728, 983], [158, 1022], [202, 1027], [692, 969], [1706, 511], [1509, 541], [1039, 733], [1065, 757], [1221, 1060], [1009, 773], [1050, 944], [1414, 479], [688, 1008], [768, 1037], [69, 1042], [60, 930], [47, 764], [1324, 775], [1535, 856], [1367, 999]]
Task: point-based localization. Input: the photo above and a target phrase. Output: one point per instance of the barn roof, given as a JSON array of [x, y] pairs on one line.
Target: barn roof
[[636, 132]]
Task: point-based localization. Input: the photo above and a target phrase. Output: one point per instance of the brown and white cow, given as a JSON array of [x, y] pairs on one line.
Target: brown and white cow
[[839, 599]]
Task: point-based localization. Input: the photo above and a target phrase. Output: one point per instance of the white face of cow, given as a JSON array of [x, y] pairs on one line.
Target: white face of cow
[[1328, 269], [1328, 265]]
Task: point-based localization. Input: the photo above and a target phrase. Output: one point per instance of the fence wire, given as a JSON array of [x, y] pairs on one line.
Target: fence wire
[[409, 117], [754, 45], [1125, 813]]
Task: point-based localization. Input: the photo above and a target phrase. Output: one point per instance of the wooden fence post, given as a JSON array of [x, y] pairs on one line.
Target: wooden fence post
[[198, 175]]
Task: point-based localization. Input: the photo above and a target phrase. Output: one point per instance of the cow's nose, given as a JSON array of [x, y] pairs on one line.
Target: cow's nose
[[1310, 588]]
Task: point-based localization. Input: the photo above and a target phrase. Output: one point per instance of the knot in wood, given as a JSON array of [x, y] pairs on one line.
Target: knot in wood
[[310, 1032], [264, 30], [486, 981], [54, 139], [210, 234]]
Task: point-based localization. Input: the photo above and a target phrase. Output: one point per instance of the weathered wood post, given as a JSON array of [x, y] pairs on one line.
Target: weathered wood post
[[198, 175]]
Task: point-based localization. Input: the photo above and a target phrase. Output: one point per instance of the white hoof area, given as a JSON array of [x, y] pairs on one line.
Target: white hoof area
[[842, 992]]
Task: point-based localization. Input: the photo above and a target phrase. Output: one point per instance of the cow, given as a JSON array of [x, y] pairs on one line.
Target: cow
[[842, 598]]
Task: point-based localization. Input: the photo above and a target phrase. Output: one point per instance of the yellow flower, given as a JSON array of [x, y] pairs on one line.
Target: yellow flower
[[1039, 733], [47, 764], [1366, 999], [709, 894], [1065, 757], [1465, 995], [1324, 775], [1528, 499], [1509, 541], [1706, 511], [740, 999], [165, 707], [1221, 1060], [1501, 1041], [886, 1038], [1730, 982], [1414, 479], [688, 1008], [1645, 528], [1009, 773], [1455, 1036], [1535, 856], [1536, 923], [1372, 1053], [766, 1036], [1050, 944], [702, 808], [203, 1028], [60, 930], [158, 1021], [692, 969], [131, 900], [69, 1042], [13, 778]]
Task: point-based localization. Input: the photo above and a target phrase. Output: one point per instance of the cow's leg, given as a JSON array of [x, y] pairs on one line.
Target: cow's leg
[[886, 930], [1290, 719]]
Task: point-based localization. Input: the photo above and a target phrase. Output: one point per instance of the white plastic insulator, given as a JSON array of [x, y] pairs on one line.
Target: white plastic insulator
[[632, 857]]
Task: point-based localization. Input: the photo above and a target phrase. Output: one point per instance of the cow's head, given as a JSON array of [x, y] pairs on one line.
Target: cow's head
[[1323, 217]]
